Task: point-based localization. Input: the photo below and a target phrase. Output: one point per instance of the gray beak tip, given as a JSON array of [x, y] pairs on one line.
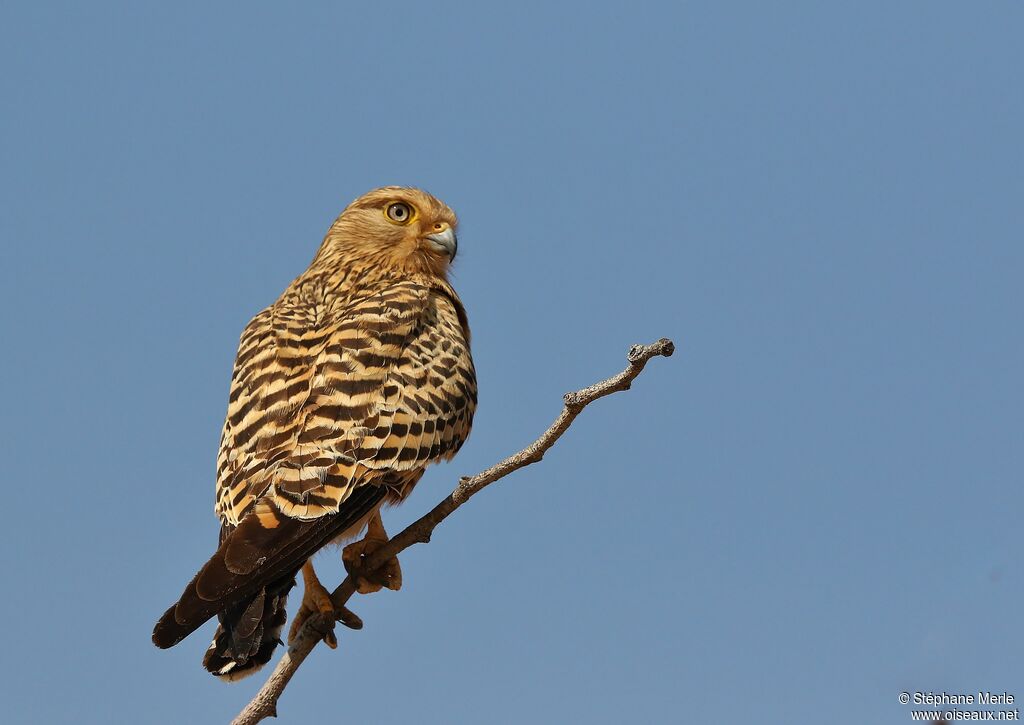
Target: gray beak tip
[[445, 241]]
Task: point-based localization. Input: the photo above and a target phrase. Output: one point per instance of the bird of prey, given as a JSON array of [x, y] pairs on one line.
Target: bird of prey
[[343, 391]]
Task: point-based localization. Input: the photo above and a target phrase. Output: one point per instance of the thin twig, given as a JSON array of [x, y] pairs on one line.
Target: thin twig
[[264, 704]]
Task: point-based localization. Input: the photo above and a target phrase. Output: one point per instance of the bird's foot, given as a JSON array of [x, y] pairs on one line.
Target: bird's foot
[[354, 556], [317, 600]]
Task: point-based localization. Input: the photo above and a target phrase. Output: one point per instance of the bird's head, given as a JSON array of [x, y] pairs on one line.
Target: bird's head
[[395, 226]]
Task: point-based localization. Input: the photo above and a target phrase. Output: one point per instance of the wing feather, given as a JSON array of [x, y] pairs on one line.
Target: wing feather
[[329, 412], [266, 547]]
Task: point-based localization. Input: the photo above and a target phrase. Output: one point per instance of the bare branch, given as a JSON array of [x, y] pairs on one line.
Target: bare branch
[[264, 704]]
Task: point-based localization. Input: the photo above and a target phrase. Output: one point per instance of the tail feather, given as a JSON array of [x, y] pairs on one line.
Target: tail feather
[[247, 580], [248, 634], [228, 581]]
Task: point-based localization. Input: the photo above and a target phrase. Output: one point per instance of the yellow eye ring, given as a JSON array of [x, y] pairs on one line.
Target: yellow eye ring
[[399, 212]]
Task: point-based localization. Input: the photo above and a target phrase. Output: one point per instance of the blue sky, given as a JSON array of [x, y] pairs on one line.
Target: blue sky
[[813, 506]]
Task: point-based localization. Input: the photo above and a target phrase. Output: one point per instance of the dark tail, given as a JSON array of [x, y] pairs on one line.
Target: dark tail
[[248, 633], [246, 582]]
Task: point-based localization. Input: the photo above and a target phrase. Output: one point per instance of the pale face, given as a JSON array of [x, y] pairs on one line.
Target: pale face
[[407, 227]]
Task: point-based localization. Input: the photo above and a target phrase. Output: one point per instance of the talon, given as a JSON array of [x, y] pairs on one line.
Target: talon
[[315, 600], [349, 618], [352, 556]]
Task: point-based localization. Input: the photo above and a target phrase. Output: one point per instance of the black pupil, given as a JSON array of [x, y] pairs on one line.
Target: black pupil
[[398, 211]]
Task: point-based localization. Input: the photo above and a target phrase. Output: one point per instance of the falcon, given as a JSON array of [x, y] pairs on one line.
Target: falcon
[[343, 391]]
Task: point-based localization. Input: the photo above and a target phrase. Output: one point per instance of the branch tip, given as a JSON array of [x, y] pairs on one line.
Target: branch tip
[[642, 353]]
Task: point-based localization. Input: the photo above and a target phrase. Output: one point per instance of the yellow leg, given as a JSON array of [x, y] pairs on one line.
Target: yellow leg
[[389, 575]]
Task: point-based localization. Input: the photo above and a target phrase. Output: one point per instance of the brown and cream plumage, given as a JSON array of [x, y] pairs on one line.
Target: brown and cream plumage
[[343, 390]]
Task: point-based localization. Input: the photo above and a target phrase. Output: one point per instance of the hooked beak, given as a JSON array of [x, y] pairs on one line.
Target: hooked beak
[[445, 241]]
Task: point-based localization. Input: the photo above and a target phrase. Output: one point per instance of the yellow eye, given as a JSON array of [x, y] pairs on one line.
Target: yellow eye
[[399, 212]]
